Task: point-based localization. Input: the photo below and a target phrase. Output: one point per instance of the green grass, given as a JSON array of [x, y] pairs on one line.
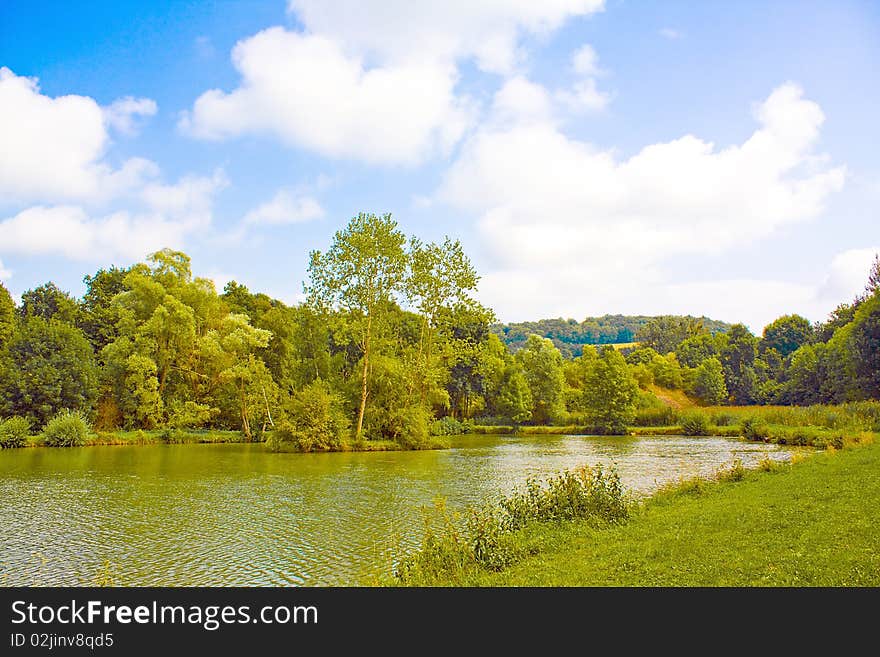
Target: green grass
[[812, 523]]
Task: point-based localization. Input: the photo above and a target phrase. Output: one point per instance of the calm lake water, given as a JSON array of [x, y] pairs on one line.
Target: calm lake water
[[205, 515]]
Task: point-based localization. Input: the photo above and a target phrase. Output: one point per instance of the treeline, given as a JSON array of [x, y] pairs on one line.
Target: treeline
[[389, 344], [570, 336]]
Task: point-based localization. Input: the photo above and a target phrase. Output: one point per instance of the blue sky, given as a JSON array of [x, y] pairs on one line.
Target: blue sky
[[592, 157]]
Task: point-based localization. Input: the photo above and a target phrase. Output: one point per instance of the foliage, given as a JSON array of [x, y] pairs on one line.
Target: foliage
[[695, 424], [541, 365], [14, 432], [48, 367], [316, 421], [786, 334], [453, 550], [449, 426], [709, 385], [609, 393], [514, 397], [67, 429]]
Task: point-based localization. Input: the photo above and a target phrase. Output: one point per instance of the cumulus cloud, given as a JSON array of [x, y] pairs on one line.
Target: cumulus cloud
[[53, 148], [489, 31], [585, 61], [371, 81], [307, 91], [166, 215], [545, 201], [285, 207], [121, 114]]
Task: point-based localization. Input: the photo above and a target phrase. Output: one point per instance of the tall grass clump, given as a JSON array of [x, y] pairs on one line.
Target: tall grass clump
[[449, 426], [14, 432], [695, 424], [656, 416], [453, 550], [67, 429]]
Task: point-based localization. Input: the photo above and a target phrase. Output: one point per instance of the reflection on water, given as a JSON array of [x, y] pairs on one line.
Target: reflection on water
[[212, 515]]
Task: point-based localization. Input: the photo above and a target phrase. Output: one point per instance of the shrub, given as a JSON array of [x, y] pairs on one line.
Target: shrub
[[66, 429], [14, 432], [734, 472], [315, 422], [753, 428], [695, 424], [413, 427], [483, 542], [447, 426], [662, 416]]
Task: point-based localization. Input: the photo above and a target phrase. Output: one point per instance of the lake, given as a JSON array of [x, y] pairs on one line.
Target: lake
[[238, 515]]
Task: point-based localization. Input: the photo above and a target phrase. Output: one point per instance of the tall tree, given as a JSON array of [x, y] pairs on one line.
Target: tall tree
[[362, 272], [541, 363], [738, 359], [786, 334], [7, 316], [49, 302], [49, 367], [610, 392]]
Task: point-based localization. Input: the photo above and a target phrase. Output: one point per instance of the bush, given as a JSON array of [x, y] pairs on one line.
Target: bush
[[67, 429], [753, 428], [483, 542], [695, 424], [413, 427], [662, 416], [315, 422], [14, 432], [449, 426]]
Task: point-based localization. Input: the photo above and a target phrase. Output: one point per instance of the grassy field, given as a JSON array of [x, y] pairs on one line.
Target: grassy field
[[812, 523]]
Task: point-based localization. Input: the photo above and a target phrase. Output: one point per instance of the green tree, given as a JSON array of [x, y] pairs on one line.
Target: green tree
[[362, 272], [665, 333], [49, 367], [610, 392], [7, 316], [738, 360], [541, 364], [100, 316], [864, 345], [514, 397], [786, 334], [49, 302], [709, 384]]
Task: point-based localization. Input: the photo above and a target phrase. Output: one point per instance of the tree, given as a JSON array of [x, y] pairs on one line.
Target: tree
[[709, 384], [694, 350], [362, 272], [49, 302], [738, 360], [440, 277], [514, 398], [610, 392], [541, 364], [7, 316], [99, 318], [665, 333], [864, 345], [49, 368], [786, 334]]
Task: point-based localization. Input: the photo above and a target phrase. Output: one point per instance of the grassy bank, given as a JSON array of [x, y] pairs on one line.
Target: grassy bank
[[214, 436], [811, 523]]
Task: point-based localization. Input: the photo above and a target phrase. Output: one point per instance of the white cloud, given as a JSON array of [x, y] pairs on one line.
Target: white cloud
[[121, 114], [285, 208], [307, 91], [569, 224], [520, 99], [488, 31], [584, 96], [70, 232], [670, 33], [369, 80], [585, 61], [167, 216], [53, 148], [5, 274]]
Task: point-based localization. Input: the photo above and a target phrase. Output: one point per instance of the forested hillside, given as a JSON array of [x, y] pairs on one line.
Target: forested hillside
[[570, 336]]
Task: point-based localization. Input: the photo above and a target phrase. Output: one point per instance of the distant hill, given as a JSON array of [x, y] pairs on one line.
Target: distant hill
[[570, 336]]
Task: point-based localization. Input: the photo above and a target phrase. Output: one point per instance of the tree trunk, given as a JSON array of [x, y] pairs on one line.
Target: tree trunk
[[245, 425], [360, 423]]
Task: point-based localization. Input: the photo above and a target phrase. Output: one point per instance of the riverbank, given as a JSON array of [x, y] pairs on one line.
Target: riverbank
[[813, 522], [213, 437]]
